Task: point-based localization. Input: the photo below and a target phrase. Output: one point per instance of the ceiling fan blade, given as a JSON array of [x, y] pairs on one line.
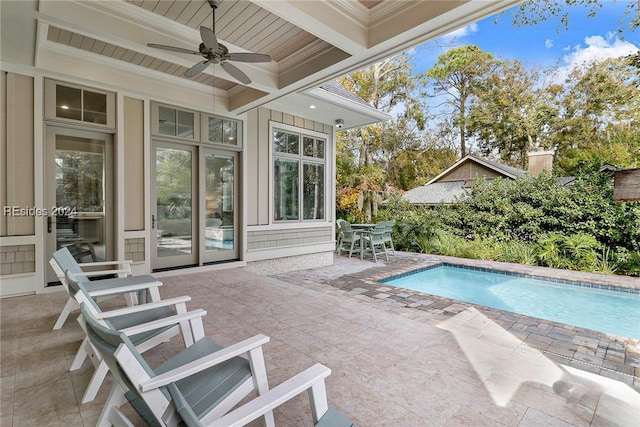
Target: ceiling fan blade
[[209, 39], [196, 69], [235, 72], [248, 57], [172, 48]]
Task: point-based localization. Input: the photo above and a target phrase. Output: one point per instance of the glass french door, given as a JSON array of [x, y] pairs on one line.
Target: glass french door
[[195, 215], [174, 219], [79, 194], [220, 220]]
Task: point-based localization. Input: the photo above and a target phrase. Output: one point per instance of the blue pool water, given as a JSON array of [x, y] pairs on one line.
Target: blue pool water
[[602, 310]]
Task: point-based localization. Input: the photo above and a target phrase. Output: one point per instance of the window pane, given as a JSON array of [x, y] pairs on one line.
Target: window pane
[[167, 121], [68, 102], [293, 144], [215, 130], [285, 196], [219, 188], [185, 124], [307, 144], [313, 191], [313, 147], [230, 132], [173, 186], [319, 149], [279, 142], [95, 107]]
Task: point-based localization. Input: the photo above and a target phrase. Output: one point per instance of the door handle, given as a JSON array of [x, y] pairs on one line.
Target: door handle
[[153, 222], [49, 224]]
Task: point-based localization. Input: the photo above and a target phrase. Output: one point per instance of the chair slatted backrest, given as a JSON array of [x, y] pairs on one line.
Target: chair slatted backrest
[[389, 226], [81, 294], [378, 230], [345, 228], [67, 263], [109, 342]]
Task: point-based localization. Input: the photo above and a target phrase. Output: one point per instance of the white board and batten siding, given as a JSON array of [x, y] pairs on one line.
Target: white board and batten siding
[[267, 239]]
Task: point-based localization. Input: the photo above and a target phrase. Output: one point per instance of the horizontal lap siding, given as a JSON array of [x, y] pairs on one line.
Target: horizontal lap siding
[[265, 239]]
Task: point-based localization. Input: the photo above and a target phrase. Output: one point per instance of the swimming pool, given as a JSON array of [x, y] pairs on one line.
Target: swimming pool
[[609, 311]]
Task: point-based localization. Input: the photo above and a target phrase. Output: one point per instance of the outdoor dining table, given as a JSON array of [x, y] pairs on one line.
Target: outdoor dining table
[[362, 227]]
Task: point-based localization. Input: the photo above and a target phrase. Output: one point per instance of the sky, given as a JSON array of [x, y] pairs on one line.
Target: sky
[[546, 44]]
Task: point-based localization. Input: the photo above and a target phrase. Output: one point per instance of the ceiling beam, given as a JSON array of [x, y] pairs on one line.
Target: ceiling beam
[[329, 21]]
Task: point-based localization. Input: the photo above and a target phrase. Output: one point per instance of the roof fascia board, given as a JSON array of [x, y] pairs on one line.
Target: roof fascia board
[[490, 166], [347, 103], [473, 159], [449, 169]]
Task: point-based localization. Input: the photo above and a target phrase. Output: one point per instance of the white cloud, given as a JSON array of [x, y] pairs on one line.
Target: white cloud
[[548, 43], [597, 48], [461, 32]]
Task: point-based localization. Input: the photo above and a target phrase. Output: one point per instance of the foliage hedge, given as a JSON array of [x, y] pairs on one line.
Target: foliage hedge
[[533, 221]]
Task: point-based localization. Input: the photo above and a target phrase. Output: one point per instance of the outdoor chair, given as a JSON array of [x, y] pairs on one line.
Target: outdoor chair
[[125, 284], [212, 379], [388, 241], [146, 325], [350, 240], [200, 385], [373, 242], [310, 380]]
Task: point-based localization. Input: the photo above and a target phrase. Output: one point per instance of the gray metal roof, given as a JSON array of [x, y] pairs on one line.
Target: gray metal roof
[[437, 192]]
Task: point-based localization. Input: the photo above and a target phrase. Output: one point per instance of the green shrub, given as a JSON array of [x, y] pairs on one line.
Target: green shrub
[[516, 251]]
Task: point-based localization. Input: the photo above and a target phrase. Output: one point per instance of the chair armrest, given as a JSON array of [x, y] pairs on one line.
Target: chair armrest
[[124, 289], [100, 273], [161, 323], [205, 362], [271, 399], [142, 307], [105, 263]]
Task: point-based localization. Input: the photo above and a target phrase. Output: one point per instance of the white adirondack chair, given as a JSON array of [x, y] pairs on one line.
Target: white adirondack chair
[[125, 284], [146, 325], [200, 386]]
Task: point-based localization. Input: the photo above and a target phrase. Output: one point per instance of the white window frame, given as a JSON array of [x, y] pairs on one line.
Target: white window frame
[[155, 123], [273, 155]]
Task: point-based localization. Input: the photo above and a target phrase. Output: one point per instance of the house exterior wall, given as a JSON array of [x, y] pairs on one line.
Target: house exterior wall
[[468, 171], [134, 166], [268, 240], [16, 154], [265, 246]]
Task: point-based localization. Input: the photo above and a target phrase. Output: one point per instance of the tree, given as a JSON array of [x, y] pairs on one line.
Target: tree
[[364, 153], [509, 113], [598, 116], [456, 75], [533, 12]]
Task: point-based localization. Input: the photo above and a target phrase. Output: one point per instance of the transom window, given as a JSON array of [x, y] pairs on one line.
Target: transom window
[[298, 175], [176, 122], [70, 102], [222, 131]]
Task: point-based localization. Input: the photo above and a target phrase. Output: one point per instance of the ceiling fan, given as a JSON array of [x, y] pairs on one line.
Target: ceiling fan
[[216, 53]]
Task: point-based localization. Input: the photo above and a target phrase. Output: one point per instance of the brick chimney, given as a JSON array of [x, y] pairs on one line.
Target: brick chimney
[[540, 161]]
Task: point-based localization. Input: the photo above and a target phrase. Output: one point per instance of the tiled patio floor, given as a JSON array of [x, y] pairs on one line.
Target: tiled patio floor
[[392, 364]]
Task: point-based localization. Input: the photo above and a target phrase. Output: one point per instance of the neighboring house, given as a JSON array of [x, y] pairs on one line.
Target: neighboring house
[[457, 180], [106, 146]]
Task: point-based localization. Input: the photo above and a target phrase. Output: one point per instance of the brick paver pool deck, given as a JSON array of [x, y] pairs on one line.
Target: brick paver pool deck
[[608, 355], [398, 358]]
